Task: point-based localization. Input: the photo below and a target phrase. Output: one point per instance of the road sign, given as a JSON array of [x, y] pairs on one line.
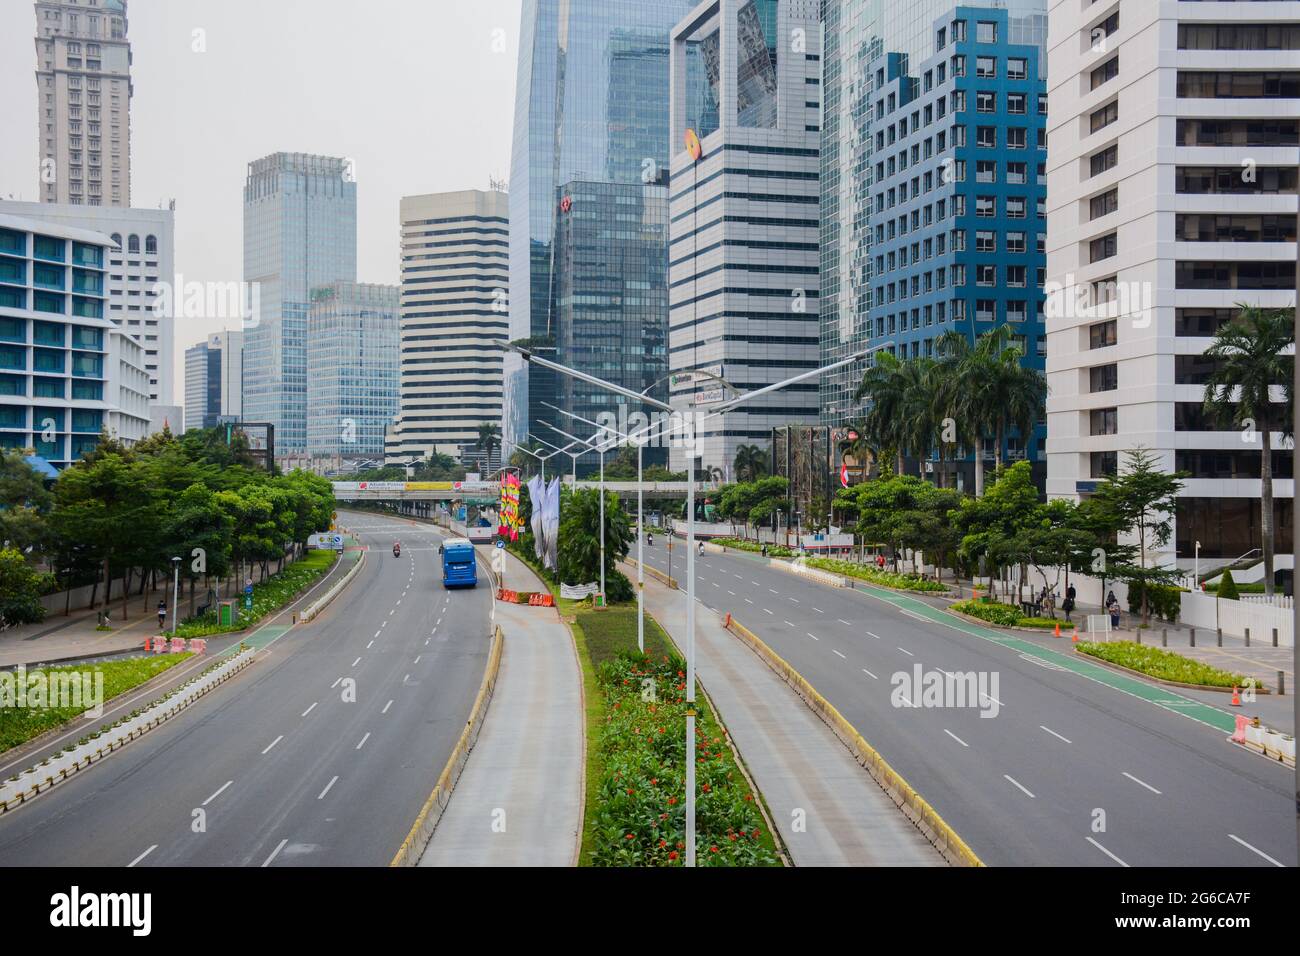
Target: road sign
[[337, 541], [500, 544]]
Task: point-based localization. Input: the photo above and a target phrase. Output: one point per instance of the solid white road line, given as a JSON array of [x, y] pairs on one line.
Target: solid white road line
[[1055, 734], [363, 740], [218, 793], [956, 738], [386, 706], [310, 709], [272, 744], [1137, 781], [142, 856], [1018, 784], [275, 852], [1107, 852], [869, 674], [1254, 850], [327, 787]]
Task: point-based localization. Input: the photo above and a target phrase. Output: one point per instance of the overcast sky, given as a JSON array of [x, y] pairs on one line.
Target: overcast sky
[[419, 93]]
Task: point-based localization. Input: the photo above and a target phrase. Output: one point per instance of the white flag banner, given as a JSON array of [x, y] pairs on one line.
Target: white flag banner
[[576, 592]]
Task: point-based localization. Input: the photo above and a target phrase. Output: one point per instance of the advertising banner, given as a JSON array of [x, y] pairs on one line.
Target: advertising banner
[[509, 511]]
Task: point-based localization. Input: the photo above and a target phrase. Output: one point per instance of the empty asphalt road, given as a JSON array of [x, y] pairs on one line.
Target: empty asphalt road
[[322, 752], [1065, 770]]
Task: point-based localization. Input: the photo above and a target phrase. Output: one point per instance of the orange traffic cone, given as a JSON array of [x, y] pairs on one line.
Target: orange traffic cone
[[1075, 638], [1236, 696], [1058, 630]]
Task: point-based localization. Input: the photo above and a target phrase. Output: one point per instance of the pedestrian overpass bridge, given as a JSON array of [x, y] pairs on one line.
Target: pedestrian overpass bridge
[[491, 490]]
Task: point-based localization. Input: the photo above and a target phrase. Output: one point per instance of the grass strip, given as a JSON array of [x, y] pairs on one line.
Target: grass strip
[[1159, 663], [269, 596]]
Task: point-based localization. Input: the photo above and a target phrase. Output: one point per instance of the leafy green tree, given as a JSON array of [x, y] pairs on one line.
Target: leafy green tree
[[579, 540], [1143, 500], [1228, 587], [197, 522], [991, 525], [1054, 537], [21, 587], [24, 507], [1249, 367]]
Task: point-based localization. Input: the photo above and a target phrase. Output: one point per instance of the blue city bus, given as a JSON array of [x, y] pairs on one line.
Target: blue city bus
[[459, 568]]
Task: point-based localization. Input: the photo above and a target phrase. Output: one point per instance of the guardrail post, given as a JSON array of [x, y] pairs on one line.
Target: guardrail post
[[1139, 634], [1248, 637], [1281, 683], [1219, 633], [1275, 637], [1164, 637], [1193, 638]]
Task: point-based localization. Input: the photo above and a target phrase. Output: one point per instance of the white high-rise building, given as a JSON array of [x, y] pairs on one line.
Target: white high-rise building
[[214, 379], [126, 388], [454, 313], [83, 98], [1171, 191], [743, 221], [144, 259]]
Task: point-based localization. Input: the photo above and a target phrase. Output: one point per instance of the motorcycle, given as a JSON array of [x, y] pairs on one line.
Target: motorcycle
[[397, 550]]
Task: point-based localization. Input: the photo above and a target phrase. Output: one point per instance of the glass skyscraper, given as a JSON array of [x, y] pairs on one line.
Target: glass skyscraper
[[588, 229], [300, 233], [856, 33]]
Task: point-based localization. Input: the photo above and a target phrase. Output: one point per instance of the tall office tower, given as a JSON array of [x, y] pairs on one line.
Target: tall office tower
[[214, 374], [743, 211], [958, 198], [591, 126], [455, 314], [352, 371], [858, 32], [1171, 200], [300, 233], [54, 351], [83, 89], [140, 266]]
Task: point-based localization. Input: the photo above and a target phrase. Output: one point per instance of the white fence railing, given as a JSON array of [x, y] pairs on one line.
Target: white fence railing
[[1200, 609]]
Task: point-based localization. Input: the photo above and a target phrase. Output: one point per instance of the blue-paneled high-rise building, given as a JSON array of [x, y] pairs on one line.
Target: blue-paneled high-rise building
[[588, 202], [300, 233], [933, 172]]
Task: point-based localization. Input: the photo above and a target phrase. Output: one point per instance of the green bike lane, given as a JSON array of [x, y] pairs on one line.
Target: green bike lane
[[1021, 788]]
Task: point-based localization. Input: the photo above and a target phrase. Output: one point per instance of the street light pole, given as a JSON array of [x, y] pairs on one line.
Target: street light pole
[[176, 591]]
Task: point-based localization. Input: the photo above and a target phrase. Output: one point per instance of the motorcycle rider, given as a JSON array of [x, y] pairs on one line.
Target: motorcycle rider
[[397, 549]]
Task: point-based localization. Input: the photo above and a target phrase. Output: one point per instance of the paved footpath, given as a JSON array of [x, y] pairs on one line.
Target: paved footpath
[[802, 769], [519, 799]]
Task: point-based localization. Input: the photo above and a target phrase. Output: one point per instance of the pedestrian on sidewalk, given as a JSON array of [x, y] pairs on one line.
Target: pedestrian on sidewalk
[[162, 615], [1112, 606], [1068, 604]]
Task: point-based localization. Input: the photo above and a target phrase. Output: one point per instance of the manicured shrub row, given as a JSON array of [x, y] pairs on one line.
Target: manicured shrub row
[[639, 812], [1003, 615], [1159, 663], [773, 550], [20, 724], [1163, 600], [885, 579], [268, 597]]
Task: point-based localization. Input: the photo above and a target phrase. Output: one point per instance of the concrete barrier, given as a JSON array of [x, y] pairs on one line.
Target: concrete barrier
[[654, 573], [44, 776], [923, 816], [822, 577], [417, 840], [318, 605]]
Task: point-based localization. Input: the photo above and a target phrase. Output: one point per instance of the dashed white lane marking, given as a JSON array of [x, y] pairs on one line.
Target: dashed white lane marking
[[1255, 850], [819, 610], [905, 699], [356, 662], [333, 780], [218, 793], [869, 674], [766, 611], [1140, 782], [384, 625], [310, 709], [842, 657], [955, 737], [907, 652], [272, 744], [377, 632], [748, 601], [1018, 784], [427, 640], [774, 590], [405, 678], [756, 584], [390, 613], [386, 706], [1055, 734], [812, 635], [1107, 852], [275, 852], [417, 658], [790, 623], [842, 621], [363, 740], [795, 600], [142, 856], [336, 683], [869, 634], [370, 645], [399, 601], [714, 583]]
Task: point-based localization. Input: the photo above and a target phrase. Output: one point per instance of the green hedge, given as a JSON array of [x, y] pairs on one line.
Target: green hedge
[[773, 550], [1159, 663], [1163, 599], [1003, 615], [886, 579]]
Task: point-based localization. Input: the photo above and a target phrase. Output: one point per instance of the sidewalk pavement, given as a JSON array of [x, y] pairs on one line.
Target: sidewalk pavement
[[796, 761], [60, 638], [519, 799]]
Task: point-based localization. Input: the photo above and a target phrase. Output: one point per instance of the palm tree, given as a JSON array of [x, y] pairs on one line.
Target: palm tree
[[750, 463], [963, 392], [884, 387], [489, 437], [1238, 394], [1019, 393]]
